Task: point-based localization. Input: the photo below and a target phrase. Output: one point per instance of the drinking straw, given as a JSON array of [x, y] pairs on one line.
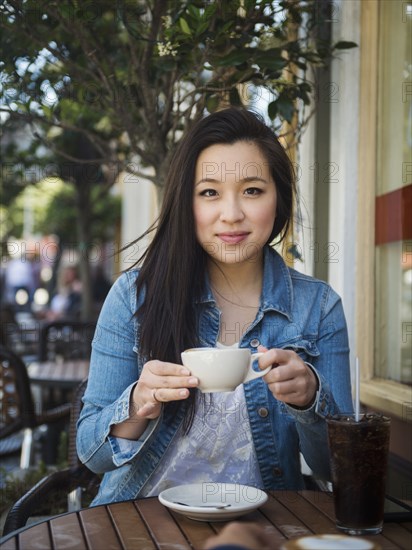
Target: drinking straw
[[357, 383]]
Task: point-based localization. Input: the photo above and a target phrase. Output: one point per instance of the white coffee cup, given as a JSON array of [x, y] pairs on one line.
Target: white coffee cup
[[222, 370]]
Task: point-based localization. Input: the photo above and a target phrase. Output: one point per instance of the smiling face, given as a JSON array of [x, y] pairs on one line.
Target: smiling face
[[234, 202]]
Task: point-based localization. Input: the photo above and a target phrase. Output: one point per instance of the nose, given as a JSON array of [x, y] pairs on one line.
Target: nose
[[232, 211]]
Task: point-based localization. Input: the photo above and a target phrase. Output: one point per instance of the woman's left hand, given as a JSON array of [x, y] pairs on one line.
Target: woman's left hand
[[291, 380]]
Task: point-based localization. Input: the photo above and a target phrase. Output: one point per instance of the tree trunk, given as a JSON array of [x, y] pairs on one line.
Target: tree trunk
[[84, 246]]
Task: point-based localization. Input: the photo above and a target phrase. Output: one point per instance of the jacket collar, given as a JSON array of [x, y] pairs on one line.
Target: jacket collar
[[277, 292]]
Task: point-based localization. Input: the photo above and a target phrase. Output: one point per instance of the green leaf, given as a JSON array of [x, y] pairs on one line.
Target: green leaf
[[271, 59], [48, 111], [305, 86], [285, 108], [202, 27], [210, 10], [212, 103], [272, 110], [343, 45], [184, 26], [301, 65], [234, 97], [235, 58], [194, 11]]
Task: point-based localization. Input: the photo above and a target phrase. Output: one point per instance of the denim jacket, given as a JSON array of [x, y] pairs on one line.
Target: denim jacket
[[296, 312]]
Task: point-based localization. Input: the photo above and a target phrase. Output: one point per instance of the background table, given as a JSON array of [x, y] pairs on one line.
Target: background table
[[48, 378], [64, 374], [147, 524]]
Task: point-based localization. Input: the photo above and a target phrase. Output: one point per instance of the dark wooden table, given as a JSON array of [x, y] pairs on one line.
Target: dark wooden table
[[64, 374], [147, 524]]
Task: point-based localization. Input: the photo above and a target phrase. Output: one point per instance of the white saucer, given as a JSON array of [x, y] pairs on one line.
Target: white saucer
[[242, 499]]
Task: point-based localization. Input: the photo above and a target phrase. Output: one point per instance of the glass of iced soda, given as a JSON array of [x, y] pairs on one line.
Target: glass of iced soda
[[359, 457]]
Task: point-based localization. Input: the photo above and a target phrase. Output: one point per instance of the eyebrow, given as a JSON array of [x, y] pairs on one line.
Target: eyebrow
[[243, 180]]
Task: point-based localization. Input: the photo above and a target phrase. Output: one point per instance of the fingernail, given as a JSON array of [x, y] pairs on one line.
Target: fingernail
[[183, 393], [192, 380], [185, 372]]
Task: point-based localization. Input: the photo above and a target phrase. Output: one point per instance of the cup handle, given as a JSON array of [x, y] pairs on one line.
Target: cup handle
[[253, 374]]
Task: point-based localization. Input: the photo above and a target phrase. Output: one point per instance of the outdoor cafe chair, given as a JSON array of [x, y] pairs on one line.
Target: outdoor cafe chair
[[76, 481], [19, 332], [66, 339], [17, 407]]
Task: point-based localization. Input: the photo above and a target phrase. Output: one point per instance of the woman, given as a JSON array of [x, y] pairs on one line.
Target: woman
[[210, 278]]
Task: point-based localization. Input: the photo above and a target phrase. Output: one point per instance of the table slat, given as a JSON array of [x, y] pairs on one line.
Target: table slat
[[68, 372], [38, 537], [407, 525], [129, 526], [286, 522], [397, 535], [10, 544], [259, 518], [195, 531], [66, 533], [163, 529], [98, 528], [307, 513], [323, 501]]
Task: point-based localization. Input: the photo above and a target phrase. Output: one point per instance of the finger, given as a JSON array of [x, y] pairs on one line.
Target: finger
[[269, 358], [164, 395], [174, 382], [151, 409], [281, 374], [295, 374], [295, 392], [161, 368], [279, 356], [162, 374], [287, 395]]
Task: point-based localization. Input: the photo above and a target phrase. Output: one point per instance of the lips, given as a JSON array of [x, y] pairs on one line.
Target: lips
[[233, 237]]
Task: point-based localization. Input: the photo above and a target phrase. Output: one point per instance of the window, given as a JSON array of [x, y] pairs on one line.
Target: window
[[384, 281], [393, 218]]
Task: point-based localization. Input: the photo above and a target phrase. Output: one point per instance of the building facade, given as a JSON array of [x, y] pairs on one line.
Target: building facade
[[356, 170]]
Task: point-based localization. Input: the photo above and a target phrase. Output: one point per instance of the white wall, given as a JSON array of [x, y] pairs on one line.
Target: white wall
[[344, 152], [343, 95], [138, 213], [304, 226]]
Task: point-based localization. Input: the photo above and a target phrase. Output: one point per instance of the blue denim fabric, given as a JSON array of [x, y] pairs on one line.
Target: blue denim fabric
[[296, 312]]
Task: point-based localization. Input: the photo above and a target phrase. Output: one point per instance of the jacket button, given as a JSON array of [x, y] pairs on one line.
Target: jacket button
[[263, 412], [254, 343], [277, 472]]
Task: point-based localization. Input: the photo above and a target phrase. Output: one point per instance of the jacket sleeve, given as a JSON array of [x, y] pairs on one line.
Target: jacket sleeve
[[334, 396], [112, 376]]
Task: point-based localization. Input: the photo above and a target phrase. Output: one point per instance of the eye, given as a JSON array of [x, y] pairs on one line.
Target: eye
[[208, 193], [254, 191]]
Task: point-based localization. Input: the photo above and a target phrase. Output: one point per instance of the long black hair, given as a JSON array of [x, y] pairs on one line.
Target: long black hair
[[173, 267]]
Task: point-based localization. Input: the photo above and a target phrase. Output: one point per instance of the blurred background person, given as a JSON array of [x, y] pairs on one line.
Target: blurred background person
[[100, 286], [20, 281], [67, 302]]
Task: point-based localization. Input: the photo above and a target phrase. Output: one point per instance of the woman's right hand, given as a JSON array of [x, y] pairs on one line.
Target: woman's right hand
[[159, 383]]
